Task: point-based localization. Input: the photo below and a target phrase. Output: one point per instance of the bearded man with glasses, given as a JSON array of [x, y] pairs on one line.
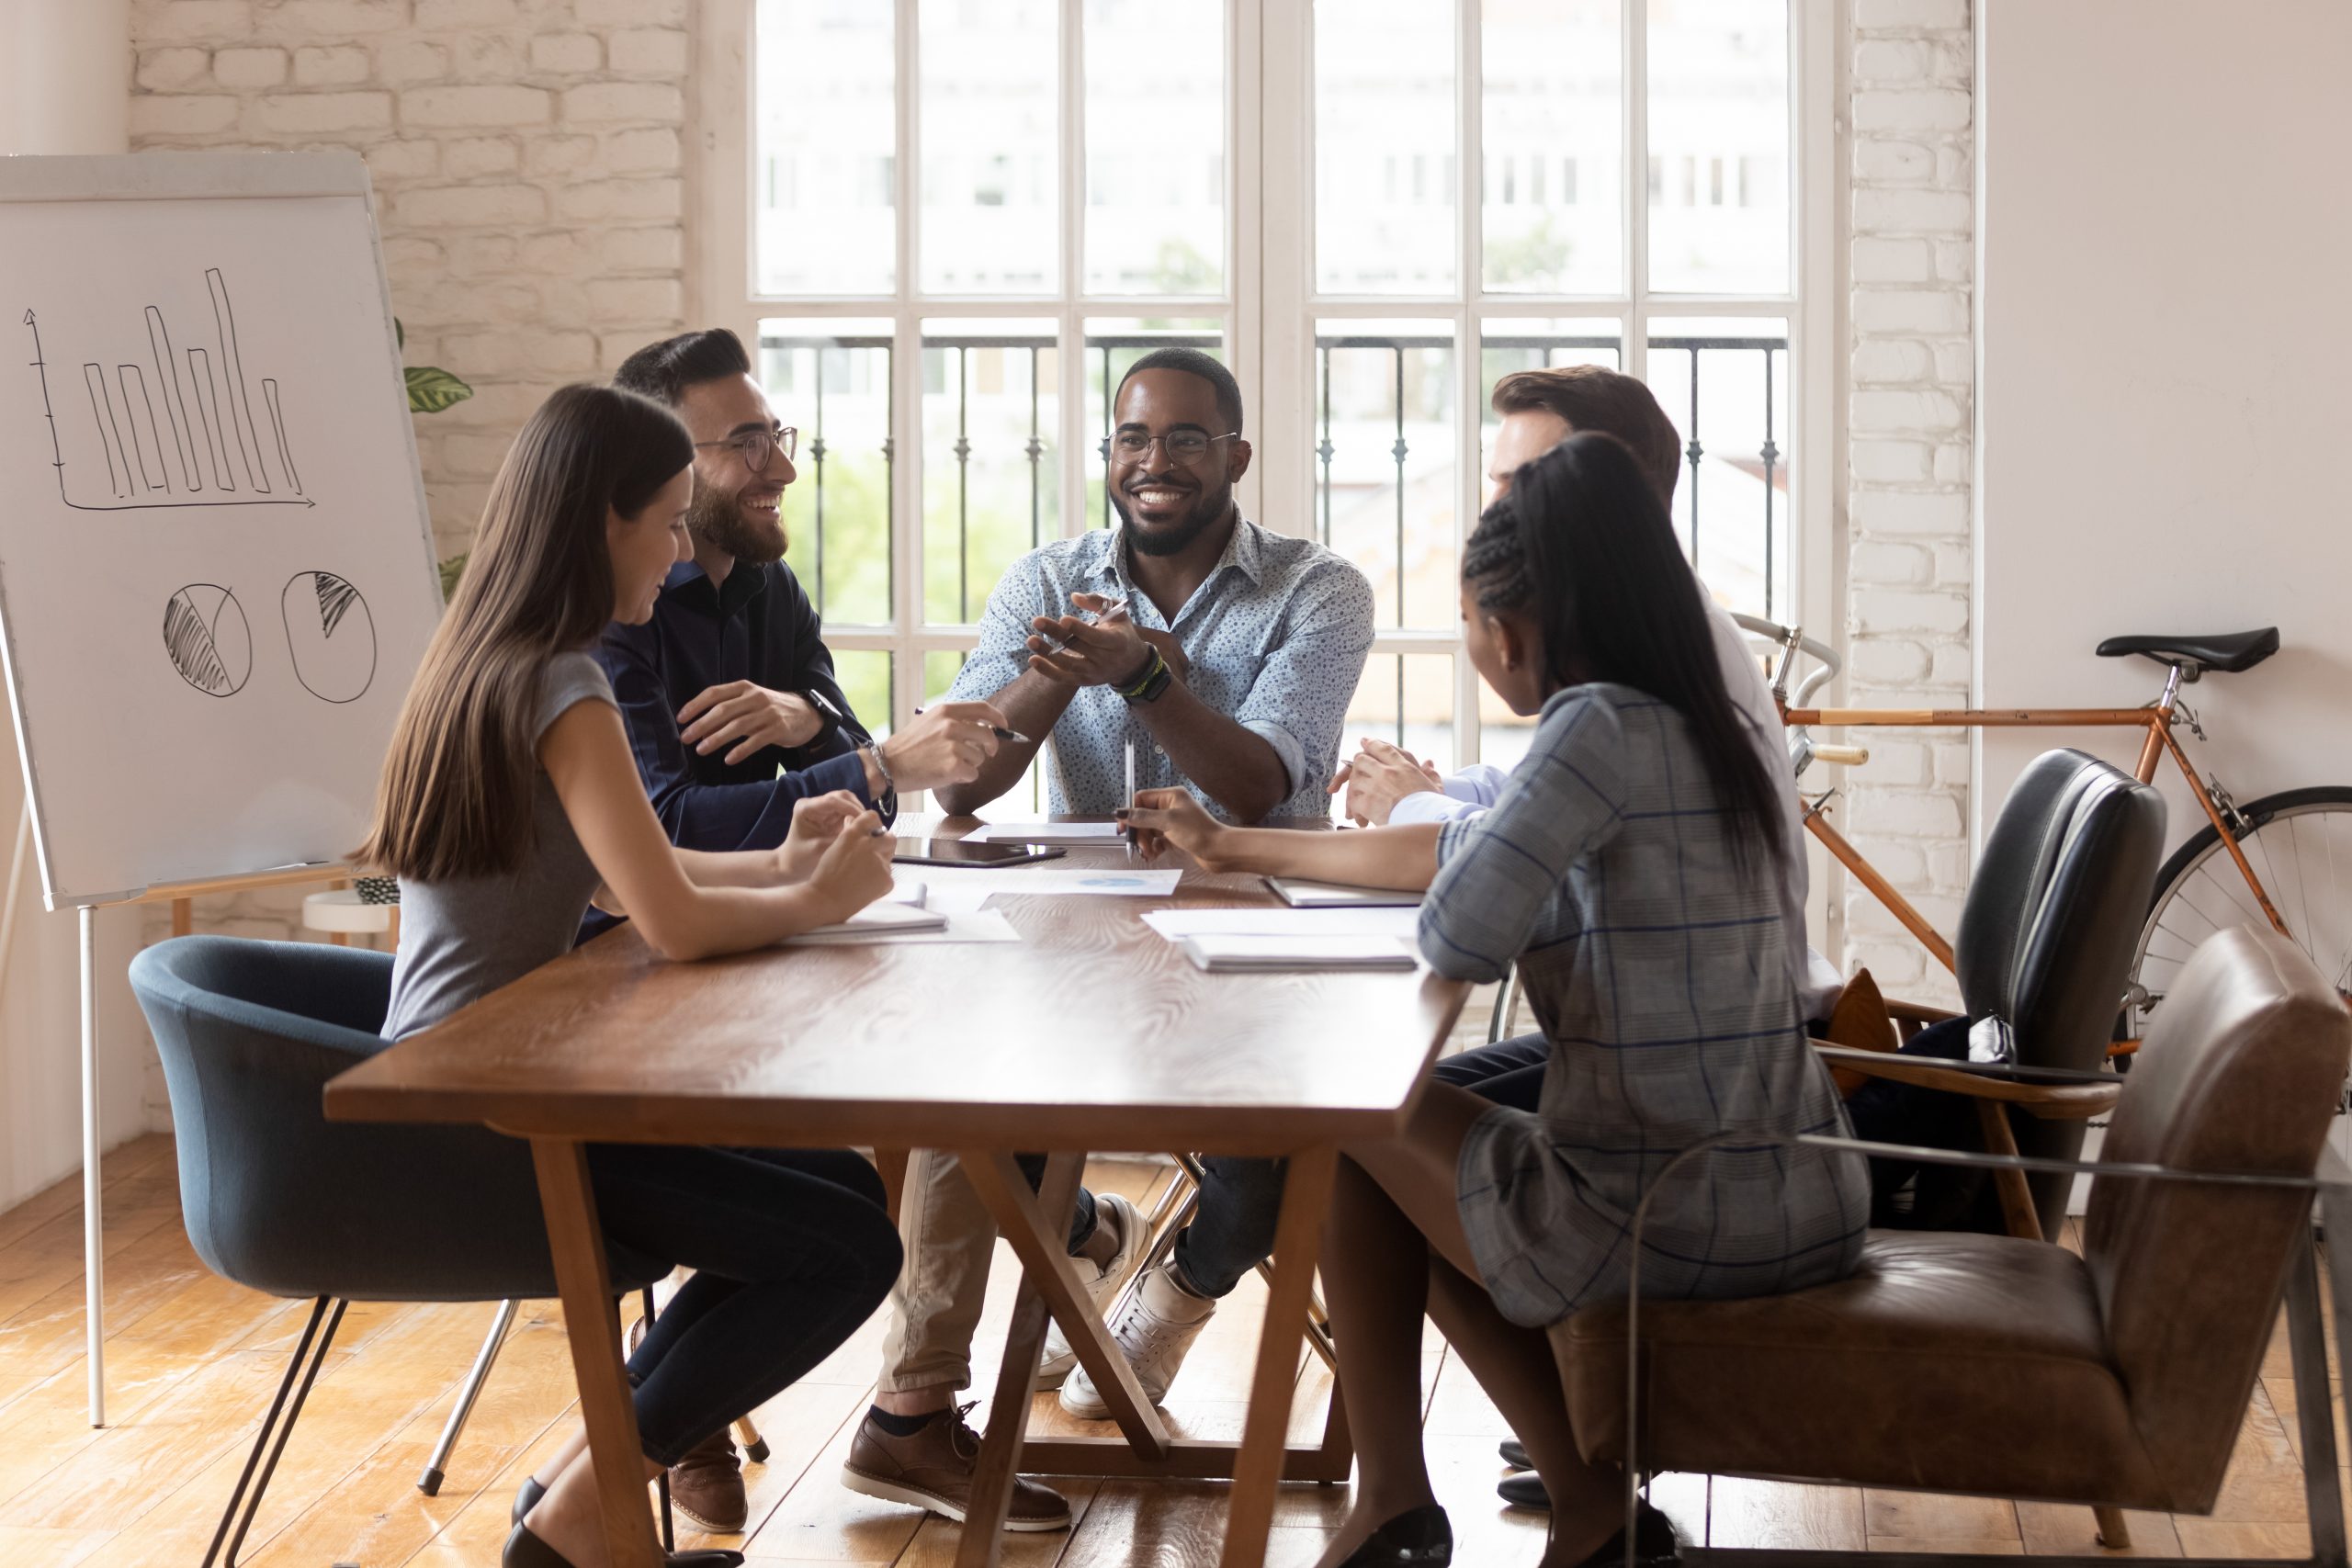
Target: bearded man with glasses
[[728, 693]]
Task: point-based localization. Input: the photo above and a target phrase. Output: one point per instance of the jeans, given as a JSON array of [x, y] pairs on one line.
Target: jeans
[[791, 1249], [1510, 1072], [1233, 1230]]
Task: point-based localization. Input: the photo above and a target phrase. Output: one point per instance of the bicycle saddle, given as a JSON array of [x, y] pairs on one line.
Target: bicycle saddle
[[2225, 654]]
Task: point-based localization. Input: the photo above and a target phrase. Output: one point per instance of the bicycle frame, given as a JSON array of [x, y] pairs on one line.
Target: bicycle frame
[[2155, 718]]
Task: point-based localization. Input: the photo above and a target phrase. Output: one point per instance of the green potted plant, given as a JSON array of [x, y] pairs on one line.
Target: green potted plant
[[431, 389]]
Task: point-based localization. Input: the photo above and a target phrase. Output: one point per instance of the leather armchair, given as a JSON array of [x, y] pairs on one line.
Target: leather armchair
[[1996, 1365]]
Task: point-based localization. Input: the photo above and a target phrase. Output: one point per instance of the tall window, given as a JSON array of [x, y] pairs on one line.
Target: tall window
[[953, 224]]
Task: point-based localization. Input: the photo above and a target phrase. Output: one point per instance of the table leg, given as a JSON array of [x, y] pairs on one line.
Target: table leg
[[1039, 1236], [1000, 1457], [577, 1242], [1306, 1194]]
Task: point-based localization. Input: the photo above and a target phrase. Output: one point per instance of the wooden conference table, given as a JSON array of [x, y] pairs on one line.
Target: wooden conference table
[[1092, 1033]]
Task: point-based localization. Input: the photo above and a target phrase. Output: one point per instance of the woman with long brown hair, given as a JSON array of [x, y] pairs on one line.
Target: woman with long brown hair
[[509, 801]]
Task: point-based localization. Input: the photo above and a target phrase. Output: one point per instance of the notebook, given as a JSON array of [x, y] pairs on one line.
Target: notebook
[[1253, 954], [1301, 894]]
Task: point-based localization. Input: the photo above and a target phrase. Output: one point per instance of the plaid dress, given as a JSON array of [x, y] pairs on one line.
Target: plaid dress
[[1659, 972]]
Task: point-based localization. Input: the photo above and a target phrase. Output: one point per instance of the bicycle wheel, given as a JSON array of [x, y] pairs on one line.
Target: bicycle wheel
[[2299, 845]]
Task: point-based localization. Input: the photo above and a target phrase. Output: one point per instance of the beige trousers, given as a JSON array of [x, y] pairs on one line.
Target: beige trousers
[[950, 1240]]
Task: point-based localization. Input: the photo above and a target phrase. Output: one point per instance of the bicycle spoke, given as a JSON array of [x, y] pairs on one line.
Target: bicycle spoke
[[2302, 889], [2273, 883]]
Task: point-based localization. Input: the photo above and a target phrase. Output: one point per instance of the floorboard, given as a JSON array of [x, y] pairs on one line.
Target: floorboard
[[192, 1361]]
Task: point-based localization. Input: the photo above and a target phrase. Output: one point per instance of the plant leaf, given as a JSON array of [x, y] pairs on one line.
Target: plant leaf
[[450, 572], [399, 333], [430, 390]]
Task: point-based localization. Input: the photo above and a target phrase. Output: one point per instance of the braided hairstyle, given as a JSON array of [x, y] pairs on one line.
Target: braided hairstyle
[[1581, 545]]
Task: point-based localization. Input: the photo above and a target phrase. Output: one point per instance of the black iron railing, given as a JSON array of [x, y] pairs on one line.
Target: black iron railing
[[1107, 347]]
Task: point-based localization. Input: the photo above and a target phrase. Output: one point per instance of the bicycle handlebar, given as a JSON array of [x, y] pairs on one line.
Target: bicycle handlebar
[[1826, 660]]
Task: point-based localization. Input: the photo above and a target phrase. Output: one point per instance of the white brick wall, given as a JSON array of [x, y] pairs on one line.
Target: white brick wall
[[1912, 408], [528, 159]]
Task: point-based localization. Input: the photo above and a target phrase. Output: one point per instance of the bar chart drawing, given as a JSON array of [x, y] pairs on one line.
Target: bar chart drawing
[[185, 435]]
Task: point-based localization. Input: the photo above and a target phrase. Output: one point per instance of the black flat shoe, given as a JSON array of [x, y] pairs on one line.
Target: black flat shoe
[[1514, 1454], [1421, 1538], [1524, 1490], [1656, 1544], [527, 1497], [524, 1549]]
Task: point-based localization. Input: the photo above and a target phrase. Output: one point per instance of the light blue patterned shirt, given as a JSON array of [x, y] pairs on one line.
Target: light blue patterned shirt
[[1277, 637]]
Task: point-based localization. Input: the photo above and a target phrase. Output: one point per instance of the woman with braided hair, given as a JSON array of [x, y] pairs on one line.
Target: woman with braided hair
[[1628, 869]]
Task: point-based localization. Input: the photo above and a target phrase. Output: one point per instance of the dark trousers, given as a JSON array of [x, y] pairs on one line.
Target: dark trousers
[[1081, 1218], [1233, 1230], [791, 1250]]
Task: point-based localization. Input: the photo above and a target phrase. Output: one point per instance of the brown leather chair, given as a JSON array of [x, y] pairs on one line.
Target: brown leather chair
[[1995, 1365]]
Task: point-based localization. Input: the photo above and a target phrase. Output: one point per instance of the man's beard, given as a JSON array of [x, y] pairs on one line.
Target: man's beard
[[1211, 505], [715, 518]]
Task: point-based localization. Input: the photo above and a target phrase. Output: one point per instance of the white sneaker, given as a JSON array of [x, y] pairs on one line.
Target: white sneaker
[[1126, 1221], [1154, 1332]]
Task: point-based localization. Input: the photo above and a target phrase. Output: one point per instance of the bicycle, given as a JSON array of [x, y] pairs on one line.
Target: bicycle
[[2303, 837]]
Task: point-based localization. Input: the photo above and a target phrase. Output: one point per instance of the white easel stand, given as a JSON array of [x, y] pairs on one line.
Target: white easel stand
[[93, 1219]]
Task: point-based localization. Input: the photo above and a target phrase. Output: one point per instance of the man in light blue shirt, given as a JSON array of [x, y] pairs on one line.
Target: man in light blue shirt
[[1225, 652]]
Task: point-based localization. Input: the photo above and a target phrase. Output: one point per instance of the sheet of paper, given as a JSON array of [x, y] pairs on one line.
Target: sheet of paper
[[1104, 835], [968, 889], [1178, 924], [963, 926]]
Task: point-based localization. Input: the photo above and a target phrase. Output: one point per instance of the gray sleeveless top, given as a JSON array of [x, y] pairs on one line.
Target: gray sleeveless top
[[467, 936]]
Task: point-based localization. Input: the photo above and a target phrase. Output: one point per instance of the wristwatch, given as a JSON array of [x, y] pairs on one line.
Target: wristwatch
[[829, 718], [1146, 686]]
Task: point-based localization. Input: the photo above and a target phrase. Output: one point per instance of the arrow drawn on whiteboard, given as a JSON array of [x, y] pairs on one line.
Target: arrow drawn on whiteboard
[[195, 416]]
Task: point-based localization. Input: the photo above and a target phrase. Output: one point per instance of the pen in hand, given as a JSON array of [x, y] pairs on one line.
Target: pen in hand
[[1115, 607], [1014, 736]]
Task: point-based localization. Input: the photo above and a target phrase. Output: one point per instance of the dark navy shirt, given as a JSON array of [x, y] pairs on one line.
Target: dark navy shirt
[[757, 626]]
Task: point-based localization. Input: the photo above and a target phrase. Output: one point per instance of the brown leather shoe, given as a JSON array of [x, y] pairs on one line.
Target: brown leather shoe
[[706, 1486], [933, 1469]]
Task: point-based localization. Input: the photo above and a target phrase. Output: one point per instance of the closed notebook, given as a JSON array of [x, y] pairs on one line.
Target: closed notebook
[[1235, 953], [1301, 894]]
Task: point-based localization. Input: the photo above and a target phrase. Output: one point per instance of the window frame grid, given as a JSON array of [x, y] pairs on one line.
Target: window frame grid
[[1270, 307]]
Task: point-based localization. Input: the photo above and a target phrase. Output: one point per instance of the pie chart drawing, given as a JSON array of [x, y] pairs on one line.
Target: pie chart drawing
[[208, 638], [330, 635]]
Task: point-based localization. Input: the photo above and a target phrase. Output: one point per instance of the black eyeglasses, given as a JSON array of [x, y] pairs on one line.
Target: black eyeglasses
[[759, 447], [1184, 445]]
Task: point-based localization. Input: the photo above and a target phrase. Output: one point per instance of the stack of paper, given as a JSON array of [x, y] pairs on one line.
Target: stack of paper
[[1249, 953], [1301, 894], [1398, 925]]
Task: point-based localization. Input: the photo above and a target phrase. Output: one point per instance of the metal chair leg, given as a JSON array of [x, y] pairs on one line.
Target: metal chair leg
[[434, 1467], [307, 1360], [1498, 1021]]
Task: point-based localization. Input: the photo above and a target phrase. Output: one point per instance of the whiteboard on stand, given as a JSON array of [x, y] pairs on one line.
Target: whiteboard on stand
[[217, 569]]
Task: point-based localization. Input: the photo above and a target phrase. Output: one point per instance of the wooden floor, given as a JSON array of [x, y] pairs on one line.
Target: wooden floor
[[192, 1360]]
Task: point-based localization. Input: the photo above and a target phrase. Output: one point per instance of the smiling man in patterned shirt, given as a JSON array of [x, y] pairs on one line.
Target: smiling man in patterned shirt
[[1230, 667], [1238, 649]]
